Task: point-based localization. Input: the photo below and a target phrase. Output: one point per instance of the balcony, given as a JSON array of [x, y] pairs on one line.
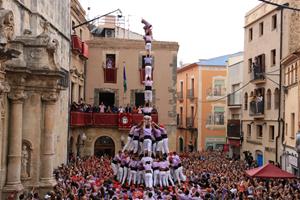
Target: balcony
[[110, 75], [215, 93], [257, 109], [76, 44], [191, 94], [258, 75], [190, 122], [234, 129], [180, 96], [106, 120], [234, 100], [215, 121]]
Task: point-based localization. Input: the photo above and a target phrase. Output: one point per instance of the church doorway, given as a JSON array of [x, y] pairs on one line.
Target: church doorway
[[104, 145]]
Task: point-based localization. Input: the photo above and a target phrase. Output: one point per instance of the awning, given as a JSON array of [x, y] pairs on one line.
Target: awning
[[269, 171], [233, 142]]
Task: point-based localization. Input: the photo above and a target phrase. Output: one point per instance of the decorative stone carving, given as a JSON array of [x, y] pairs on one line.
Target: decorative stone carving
[[17, 96], [25, 161], [6, 35], [50, 97]]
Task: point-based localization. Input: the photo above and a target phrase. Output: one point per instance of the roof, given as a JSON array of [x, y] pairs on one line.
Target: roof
[[269, 171], [217, 61]]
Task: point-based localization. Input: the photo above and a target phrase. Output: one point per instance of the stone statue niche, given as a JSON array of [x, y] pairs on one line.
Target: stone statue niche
[[25, 160]]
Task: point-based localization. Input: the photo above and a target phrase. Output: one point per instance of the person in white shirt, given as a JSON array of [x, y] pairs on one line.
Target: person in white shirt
[[148, 66], [148, 89], [147, 110], [148, 174]]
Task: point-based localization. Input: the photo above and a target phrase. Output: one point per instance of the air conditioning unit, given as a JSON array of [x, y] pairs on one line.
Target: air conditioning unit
[[109, 33]]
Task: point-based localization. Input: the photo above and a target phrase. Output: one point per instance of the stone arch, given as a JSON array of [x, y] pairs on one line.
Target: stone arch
[[104, 145]]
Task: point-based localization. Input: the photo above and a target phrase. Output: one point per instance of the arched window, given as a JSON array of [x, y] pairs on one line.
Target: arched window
[[269, 99], [276, 98], [246, 101]]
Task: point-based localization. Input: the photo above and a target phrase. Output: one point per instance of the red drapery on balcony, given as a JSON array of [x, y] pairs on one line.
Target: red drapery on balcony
[[85, 50], [105, 119], [76, 43], [110, 75], [81, 119]]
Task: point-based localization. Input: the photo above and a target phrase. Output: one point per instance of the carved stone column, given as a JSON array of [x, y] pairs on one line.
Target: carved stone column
[[13, 181], [47, 156]]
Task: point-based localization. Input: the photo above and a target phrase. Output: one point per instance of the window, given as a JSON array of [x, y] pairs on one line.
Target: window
[[259, 131], [274, 22], [181, 116], [292, 125], [219, 115], [110, 61], [269, 97], [250, 65], [273, 57], [271, 133], [80, 34], [261, 29], [192, 86], [276, 98], [219, 87], [250, 34], [192, 112], [246, 101], [248, 130]]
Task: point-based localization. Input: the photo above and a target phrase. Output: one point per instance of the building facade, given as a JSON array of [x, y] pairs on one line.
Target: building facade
[[290, 71], [108, 58], [234, 103], [201, 104], [263, 121], [34, 80]]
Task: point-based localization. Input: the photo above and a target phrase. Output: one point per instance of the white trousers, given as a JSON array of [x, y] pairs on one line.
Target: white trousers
[[165, 146], [159, 145], [169, 178], [135, 144], [162, 179], [125, 171], [149, 180], [148, 146], [148, 72], [132, 176], [140, 177], [179, 175], [148, 46], [128, 145], [155, 177], [115, 168], [148, 95], [120, 174]]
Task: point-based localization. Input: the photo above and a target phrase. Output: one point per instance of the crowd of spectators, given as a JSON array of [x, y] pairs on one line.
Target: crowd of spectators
[[210, 175], [102, 108]]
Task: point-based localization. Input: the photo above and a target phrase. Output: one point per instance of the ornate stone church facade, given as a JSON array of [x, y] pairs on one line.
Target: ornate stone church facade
[[34, 78]]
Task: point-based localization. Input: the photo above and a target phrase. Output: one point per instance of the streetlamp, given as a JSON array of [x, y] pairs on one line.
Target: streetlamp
[[117, 10], [298, 151]]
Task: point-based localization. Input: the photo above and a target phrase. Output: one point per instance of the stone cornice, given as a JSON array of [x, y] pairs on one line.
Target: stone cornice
[[116, 43]]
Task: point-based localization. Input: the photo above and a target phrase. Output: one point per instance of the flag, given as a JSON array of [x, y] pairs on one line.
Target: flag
[[124, 79]]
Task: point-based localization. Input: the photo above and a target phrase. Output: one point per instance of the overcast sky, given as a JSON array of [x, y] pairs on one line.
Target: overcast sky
[[203, 29]]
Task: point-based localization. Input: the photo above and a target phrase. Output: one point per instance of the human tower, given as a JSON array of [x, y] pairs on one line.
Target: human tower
[[145, 158]]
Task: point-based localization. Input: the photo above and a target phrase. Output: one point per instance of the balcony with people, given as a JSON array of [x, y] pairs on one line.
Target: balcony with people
[[257, 104], [257, 69], [234, 129], [110, 69], [82, 114]]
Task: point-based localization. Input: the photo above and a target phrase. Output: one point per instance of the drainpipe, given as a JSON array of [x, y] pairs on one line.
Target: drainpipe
[[280, 87]]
